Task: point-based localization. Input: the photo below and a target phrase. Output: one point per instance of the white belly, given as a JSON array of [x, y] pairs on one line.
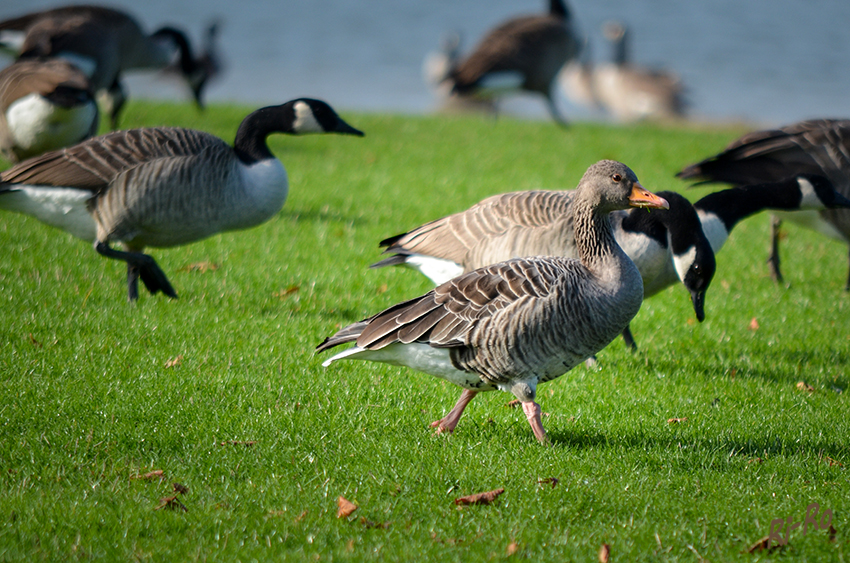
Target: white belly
[[64, 208], [37, 126]]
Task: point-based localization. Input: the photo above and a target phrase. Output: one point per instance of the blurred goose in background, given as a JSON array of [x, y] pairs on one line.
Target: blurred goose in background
[[104, 43], [436, 67], [44, 105], [631, 92], [522, 54], [163, 186], [515, 324], [532, 223], [819, 146]]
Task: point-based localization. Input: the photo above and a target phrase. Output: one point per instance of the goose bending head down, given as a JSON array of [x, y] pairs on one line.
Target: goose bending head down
[[515, 324], [163, 186]]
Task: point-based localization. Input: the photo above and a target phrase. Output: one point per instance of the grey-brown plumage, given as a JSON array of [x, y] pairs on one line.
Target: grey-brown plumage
[[820, 146], [523, 53], [44, 105], [111, 42], [163, 186], [518, 323]]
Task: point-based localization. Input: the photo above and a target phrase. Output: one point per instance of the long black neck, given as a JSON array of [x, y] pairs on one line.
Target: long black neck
[[735, 204], [187, 63], [250, 144], [559, 8]]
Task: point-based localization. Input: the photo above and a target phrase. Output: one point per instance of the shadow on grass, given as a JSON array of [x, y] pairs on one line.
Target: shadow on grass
[[322, 215]]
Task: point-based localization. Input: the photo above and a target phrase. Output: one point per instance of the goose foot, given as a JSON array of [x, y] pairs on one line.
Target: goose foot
[[773, 257], [142, 266], [532, 412], [629, 339], [448, 422]]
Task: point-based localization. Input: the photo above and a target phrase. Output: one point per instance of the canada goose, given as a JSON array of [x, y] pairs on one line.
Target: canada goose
[[515, 324], [44, 105], [817, 147], [523, 53], [436, 67], [163, 186], [104, 43], [631, 92], [533, 223]]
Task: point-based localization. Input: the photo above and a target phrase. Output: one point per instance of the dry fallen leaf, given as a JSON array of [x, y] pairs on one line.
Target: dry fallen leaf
[[370, 524], [754, 324], [301, 516], [480, 498], [604, 553], [832, 462], [512, 548], [549, 481], [155, 474], [174, 362], [382, 288], [756, 460], [202, 267], [676, 420], [171, 502], [346, 507], [803, 386], [832, 533], [180, 489], [762, 544], [34, 341], [286, 292]]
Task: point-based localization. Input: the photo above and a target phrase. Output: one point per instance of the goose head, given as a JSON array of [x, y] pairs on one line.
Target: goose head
[[611, 185], [195, 71]]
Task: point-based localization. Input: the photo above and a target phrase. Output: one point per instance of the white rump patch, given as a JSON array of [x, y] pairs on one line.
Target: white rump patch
[[714, 229], [36, 125], [438, 270], [305, 121], [64, 208], [683, 262]]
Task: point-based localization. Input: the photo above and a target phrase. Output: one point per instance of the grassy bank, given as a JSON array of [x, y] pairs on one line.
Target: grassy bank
[[220, 389]]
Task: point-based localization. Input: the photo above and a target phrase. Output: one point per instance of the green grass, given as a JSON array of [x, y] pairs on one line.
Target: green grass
[[87, 400]]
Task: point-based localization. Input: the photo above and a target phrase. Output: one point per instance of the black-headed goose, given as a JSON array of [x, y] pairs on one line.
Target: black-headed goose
[[523, 53], [820, 147], [104, 43], [533, 223], [163, 186], [44, 105], [630, 92], [515, 324]]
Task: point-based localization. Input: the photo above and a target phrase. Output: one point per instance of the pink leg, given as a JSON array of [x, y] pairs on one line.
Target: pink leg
[[448, 422], [532, 413]]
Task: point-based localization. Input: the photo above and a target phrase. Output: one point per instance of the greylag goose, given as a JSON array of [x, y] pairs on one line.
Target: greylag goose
[[515, 324], [522, 54], [44, 105], [820, 147], [163, 186], [104, 43], [535, 223]]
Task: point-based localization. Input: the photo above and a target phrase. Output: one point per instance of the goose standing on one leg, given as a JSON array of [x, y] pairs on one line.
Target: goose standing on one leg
[[104, 43], [163, 186], [515, 324], [44, 105], [819, 147], [524, 53]]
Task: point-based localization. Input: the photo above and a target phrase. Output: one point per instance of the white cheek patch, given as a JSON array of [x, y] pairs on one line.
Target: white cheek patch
[[809, 199], [714, 229], [683, 262], [305, 121]]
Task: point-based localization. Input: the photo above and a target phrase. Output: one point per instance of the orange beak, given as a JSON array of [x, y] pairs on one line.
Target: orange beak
[[641, 197]]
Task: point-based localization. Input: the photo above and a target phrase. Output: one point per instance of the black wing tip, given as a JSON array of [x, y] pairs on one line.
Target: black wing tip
[[394, 260]]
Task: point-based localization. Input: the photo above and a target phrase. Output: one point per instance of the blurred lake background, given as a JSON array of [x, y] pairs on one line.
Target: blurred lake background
[[766, 62]]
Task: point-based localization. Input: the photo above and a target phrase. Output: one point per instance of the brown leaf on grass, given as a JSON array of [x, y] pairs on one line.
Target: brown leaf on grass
[[382, 288], [756, 460], [180, 489], [349, 546], [832, 462], [34, 341], [480, 498], [604, 553], [549, 481], [155, 474], [754, 324], [832, 533], [172, 503], [301, 516], [512, 548], [803, 386], [246, 443], [762, 544], [677, 420], [346, 507], [370, 524], [281, 293], [202, 267], [174, 362], [513, 404]]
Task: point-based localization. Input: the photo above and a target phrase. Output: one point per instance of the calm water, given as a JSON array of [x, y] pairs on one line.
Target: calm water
[[766, 61]]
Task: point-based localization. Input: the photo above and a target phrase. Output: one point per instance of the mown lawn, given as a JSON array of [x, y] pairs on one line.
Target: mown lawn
[[221, 392]]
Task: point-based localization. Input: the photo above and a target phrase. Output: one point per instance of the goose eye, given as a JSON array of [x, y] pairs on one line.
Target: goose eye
[[616, 177]]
